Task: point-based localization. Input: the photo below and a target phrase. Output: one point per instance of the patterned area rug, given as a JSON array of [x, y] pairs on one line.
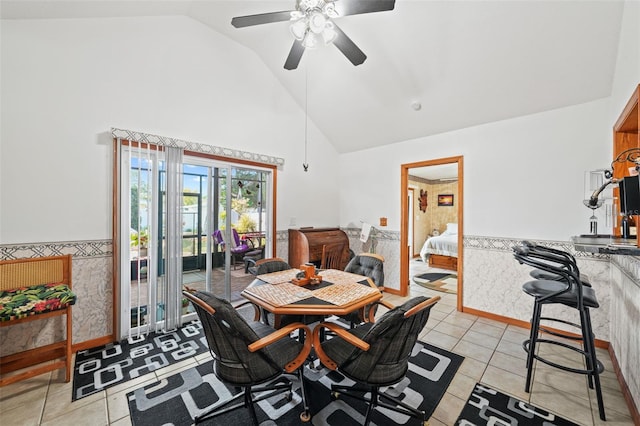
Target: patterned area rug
[[487, 406], [105, 366], [438, 281], [177, 399]]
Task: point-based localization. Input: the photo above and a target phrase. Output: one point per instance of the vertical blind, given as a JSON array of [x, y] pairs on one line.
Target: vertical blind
[[173, 235], [156, 294]]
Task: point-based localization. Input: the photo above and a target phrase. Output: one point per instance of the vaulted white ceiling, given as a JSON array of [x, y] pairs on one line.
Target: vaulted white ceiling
[[465, 62]]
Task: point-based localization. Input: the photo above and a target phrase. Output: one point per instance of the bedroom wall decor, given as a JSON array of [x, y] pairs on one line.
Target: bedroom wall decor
[[445, 200], [423, 201], [433, 217]]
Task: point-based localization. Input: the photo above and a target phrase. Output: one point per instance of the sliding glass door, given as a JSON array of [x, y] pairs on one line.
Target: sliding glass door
[[221, 218]]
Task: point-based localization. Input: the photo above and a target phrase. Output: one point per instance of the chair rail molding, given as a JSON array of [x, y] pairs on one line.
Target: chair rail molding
[[77, 249]]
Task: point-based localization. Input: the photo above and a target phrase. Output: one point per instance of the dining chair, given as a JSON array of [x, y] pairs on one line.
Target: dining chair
[[249, 355], [331, 256], [266, 266], [375, 355], [370, 265]]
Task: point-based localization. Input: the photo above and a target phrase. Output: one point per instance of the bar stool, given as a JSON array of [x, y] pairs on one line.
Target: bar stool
[[543, 275], [568, 291]]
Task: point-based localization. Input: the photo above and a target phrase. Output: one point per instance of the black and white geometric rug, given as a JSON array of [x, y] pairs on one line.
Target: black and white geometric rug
[[438, 281], [487, 406], [177, 399], [105, 366]]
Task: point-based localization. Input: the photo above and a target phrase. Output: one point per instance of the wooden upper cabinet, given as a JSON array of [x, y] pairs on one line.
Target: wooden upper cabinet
[[628, 121], [625, 136]]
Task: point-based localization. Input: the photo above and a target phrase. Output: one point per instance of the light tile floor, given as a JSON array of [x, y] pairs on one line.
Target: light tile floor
[[492, 351]]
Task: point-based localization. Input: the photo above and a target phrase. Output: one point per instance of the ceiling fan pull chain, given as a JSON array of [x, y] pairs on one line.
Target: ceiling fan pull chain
[[305, 165]]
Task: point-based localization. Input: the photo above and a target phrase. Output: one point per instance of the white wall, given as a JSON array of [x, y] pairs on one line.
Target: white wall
[[65, 83], [627, 73], [522, 177]]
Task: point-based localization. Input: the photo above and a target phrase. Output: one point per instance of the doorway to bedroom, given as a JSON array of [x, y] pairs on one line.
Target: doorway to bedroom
[[431, 226]]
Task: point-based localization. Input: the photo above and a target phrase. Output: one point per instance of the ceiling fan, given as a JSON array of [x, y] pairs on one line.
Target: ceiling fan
[[312, 24]]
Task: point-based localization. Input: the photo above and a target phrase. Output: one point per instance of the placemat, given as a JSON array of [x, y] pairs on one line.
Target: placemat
[[340, 277], [344, 294], [280, 294], [279, 276]]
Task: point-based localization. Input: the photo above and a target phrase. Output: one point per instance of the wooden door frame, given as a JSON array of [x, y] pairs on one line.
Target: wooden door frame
[[404, 217], [413, 221]]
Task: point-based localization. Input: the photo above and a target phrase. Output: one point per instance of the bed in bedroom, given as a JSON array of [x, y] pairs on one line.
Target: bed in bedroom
[[442, 251]]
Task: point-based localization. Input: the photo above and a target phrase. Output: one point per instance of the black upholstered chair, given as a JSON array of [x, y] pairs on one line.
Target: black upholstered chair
[[375, 354], [370, 265], [276, 264], [250, 355], [251, 257], [266, 266], [567, 290]]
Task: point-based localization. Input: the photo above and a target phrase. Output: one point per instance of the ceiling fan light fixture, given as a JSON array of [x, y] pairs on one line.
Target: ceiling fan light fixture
[[299, 28], [317, 22], [329, 34], [311, 22], [329, 10], [309, 4], [310, 40]]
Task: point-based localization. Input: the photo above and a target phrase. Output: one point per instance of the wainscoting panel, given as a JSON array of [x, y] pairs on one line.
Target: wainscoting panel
[[625, 320], [493, 282]]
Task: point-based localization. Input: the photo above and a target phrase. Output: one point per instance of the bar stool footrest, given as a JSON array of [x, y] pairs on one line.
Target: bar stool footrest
[[560, 333], [599, 367]]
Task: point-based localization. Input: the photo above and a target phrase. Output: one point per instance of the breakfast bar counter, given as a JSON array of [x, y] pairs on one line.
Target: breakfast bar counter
[[606, 244]]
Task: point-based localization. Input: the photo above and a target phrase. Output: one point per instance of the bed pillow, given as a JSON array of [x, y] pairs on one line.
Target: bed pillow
[[452, 228]]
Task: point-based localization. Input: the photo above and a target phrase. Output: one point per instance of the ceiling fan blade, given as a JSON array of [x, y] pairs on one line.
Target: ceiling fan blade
[[348, 47], [294, 55], [355, 7], [262, 18]]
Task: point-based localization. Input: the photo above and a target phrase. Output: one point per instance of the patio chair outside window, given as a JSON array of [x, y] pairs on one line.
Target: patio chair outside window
[[238, 247]]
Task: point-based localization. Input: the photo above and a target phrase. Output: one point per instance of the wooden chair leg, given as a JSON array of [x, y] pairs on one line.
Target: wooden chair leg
[[69, 353]]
